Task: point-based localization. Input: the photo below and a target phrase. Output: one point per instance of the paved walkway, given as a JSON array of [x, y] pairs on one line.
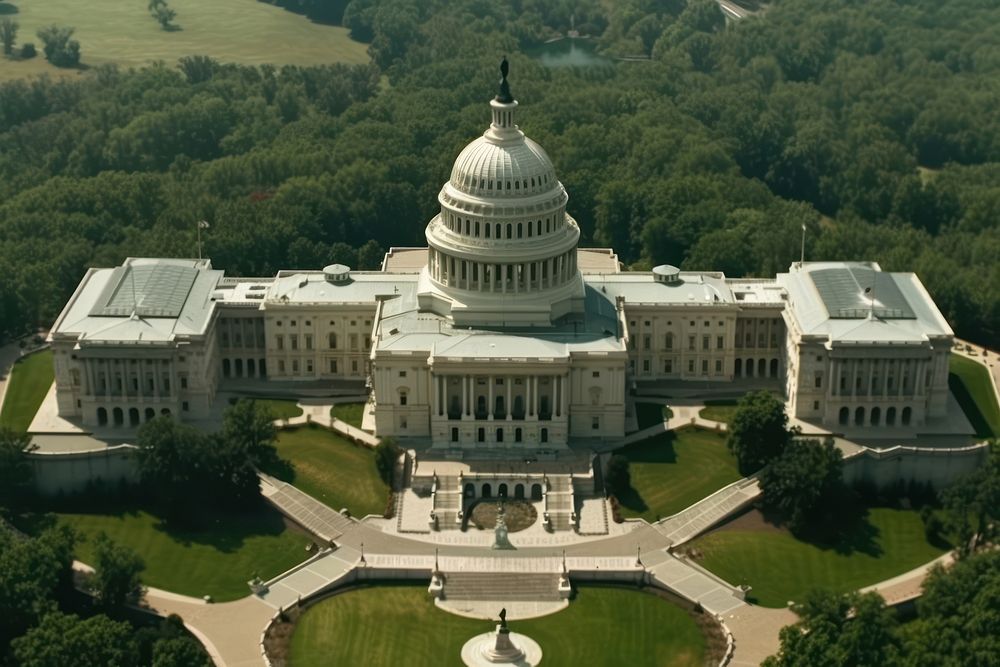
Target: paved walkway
[[319, 413], [323, 571], [693, 521], [311, 514], [908, 585]]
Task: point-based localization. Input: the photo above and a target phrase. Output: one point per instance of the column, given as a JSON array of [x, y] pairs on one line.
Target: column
[[564, 394], [509, 380], [88, 371], [465, 391], [108, 378], [528, 382], [557, 395], [489, 400]]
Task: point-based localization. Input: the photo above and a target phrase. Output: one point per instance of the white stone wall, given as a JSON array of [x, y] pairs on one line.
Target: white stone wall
[[681, 342], [318, 342]]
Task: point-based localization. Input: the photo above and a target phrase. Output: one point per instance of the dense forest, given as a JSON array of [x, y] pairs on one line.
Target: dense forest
[[872, 122]]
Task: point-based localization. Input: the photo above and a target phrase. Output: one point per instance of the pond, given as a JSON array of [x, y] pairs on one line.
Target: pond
[[569, 53]]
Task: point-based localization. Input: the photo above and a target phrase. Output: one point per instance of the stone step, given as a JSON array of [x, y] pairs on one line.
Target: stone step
[[527, 586]]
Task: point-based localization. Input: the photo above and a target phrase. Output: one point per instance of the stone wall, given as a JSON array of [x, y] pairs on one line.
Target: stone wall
[[939, 467], [71, 472]]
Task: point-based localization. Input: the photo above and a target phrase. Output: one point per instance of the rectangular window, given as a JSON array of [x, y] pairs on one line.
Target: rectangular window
[[295, 365], [595, 423], [597, 374], [815, 405], [309, 341], [691, 343], [294, 340], [719, 342], [354, 366], [718, 366], [333, 365], [402, 374], [281, 365], [690, 365], [184, 382], [647, 342], [309, 366], [704, 366], [645, 365], [402, 398], [819, 380], [185, 407], [279, 342], [704, 342], [668, 366]]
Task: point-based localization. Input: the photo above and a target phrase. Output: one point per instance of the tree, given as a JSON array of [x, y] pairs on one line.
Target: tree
[[8, 35], [957, 621], [386, 454], [34, 572], [757, 432], [802, 481], [617, 478], [59, 48], [179, 652], [162, 13], [839, 630], [17, 475], [972, 504], [250, 426], [63, 639], [116, 573]]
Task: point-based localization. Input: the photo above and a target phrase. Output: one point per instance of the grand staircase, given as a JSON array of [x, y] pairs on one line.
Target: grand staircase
[[559, 503], [501, 587], [447, 502]]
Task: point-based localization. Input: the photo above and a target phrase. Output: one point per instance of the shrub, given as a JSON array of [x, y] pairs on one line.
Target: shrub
[[59, 49], [386, 453], [617, 478], [28, 51]]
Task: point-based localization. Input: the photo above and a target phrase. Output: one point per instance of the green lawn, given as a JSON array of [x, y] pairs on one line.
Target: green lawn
[[281, 408], [352, 413], [216, 560], [238, 31], [331, 469], [970, 383], [674, 470], [719, 411], [601, 627], [30, 380], [779, 567]]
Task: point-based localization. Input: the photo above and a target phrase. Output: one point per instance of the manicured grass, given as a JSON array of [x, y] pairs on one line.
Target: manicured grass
[[232, 31], [30, 380], [970, 383], [281, 408], [216, 559], [399, 625], [885, 543], [674, 470], [352, 413], [331, 469], [719, 411]]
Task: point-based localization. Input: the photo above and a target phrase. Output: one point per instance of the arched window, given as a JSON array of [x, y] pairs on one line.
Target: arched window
[[470, 490], [102, 416], [749, 368], [133, 416], [165, 412], [119, 416], [519, 490], [536, 491], [239, 368], [150, 413], [498, 230], [487, 491], [487, 230], [738, 368], [520, 231], [845, 414], [876, 416], [502, 490], [539, 226], [226, 372], [890, 417], [859, 416], [510, 230], [907, 415], [481, 435], [761, 368], [774, 368]]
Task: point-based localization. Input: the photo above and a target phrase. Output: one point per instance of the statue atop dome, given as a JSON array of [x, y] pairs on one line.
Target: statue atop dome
[[504, 95]]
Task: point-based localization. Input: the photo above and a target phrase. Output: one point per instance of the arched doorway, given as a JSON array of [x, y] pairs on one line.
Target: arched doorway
[[150, 413], [859, 416], [536, 491], [761, 368], [262, 367], [487, 491], [239, 368], [890, 417], [502, 490], [102, 416], [251, 368], [876, 416], [470, 490], [845, 414], [749, 368], [133, 416], [907, 414], [738, 368], [519, 490], [119, 416], [226, 368], [774, 368]]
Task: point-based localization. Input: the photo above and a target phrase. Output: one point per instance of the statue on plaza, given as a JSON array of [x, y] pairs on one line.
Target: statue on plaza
[[500, 539]]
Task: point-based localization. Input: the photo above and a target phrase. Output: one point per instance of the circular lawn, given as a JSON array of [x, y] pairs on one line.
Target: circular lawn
[[399, 625]]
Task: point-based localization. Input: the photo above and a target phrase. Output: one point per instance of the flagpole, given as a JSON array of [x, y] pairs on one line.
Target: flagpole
[[202, 224], [802, 252]]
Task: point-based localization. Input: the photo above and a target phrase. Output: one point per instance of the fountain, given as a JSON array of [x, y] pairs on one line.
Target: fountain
[[501, 647]]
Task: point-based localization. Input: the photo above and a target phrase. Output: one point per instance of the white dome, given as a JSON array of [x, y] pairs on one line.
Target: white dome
[[509, 167]]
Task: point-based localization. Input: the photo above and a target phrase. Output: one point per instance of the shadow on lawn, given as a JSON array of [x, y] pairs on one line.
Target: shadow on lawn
[[224, 531], [7, 9], [846, 530], [655, 450]]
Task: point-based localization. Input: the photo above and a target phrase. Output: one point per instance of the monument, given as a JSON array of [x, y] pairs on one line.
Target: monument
[[501, 647], [500, 539]]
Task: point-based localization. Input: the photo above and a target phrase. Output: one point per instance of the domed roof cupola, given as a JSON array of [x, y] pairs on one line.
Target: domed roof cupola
[[503, 231]]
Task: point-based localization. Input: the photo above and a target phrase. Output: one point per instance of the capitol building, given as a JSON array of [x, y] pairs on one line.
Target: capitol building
[[502, 332]]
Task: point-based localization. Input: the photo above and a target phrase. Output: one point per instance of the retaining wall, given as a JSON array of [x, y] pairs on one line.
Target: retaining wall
[[72, 472], [938, 467]]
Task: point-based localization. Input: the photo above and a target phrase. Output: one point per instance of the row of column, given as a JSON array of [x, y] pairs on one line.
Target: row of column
[[496, 230], [502, 278], [558, 395], [904, 371], [94, 367]]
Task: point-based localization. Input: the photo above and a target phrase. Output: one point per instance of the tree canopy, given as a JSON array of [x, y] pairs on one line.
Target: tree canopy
[[758, 431], [871, 123]]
